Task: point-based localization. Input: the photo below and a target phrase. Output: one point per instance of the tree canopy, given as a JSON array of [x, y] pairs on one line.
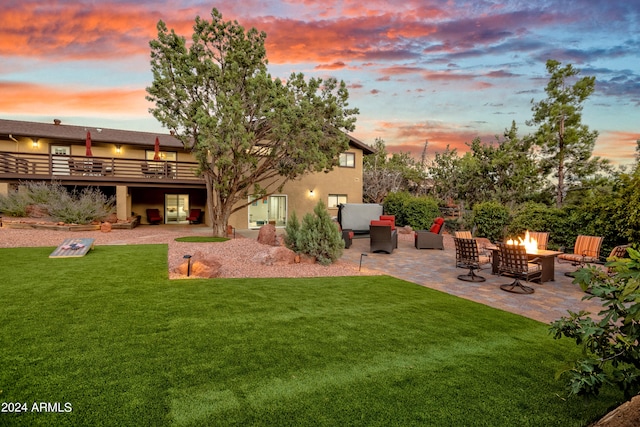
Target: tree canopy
[[566, 144], [249, 132]]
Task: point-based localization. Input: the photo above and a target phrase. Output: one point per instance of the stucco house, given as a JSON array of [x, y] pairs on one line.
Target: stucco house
[[142, 174]]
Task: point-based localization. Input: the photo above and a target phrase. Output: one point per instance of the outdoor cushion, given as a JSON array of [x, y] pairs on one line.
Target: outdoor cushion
[[381, 222], [391, 218], [437, 225]]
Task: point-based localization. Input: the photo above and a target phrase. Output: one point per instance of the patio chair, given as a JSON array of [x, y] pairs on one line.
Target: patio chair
[[542, 237], [468, 256], [195, 216], [383, 238], [153, 216], [617, 253], [463, 234], [586, 250], [432, 238], [514, 262], [482, 242]]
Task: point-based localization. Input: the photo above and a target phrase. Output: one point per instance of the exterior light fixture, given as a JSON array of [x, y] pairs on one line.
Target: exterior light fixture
[[188, 258], [34, 144], [118, 149], [360, 267], [311, 193]]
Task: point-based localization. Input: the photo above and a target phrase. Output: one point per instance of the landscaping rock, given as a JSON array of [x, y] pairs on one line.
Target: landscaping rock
[[105, 227], [206, 268], [267, 235]]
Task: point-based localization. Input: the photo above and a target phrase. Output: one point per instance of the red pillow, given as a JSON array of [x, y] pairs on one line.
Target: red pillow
[[437, 224]]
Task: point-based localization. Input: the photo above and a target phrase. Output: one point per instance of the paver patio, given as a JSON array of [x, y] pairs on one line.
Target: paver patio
[[436, 269]]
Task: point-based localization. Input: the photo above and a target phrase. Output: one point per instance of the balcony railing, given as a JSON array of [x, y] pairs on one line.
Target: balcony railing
[[69, 168]]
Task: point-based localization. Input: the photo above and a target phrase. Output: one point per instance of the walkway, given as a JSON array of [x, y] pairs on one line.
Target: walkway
[[436, 269]]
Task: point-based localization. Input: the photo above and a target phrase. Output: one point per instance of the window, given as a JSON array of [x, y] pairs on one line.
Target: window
[[347, 160], [336, 199]]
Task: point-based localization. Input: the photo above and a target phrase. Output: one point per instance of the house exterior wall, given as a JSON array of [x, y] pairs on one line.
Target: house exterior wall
[[341, 180], [138, 194]]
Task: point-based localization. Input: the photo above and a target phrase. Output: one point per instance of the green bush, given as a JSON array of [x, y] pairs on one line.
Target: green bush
[[318, 236], [292, 233], [610, 345], [417, 212], [394, 205], [491, 220]]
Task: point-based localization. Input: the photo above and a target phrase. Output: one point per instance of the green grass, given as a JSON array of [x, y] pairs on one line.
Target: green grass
[[111, 335], [201, 239]]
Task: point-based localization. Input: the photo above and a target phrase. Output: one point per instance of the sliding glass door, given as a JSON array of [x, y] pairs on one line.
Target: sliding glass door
[[176, 208], [270, 210]]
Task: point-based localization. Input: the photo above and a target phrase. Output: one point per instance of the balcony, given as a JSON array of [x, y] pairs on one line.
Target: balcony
[[78, 170]]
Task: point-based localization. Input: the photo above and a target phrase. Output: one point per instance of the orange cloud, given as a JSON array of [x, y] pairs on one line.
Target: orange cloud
[[23, 98], [617, 146], [410, 137], [78, 30]]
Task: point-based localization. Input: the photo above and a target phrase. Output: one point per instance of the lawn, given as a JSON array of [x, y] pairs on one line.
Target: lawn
[[111, 339]]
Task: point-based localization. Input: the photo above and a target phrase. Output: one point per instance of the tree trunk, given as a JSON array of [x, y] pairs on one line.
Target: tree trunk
[[559, 192], [218, 212]]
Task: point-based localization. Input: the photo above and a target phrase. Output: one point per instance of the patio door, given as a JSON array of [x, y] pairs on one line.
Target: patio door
[[176, 208], [269, 210]]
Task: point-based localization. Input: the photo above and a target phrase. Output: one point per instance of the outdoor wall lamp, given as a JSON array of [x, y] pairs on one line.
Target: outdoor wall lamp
[[311, 193], [188, 258], [118, 149], [34, 143]]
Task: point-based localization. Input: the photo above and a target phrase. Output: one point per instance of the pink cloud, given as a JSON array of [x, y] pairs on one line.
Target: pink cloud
[[617, 146]]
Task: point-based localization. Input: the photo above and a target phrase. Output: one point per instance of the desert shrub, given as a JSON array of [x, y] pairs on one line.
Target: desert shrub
[[41, 192], [81, 207], [77, 207], [292, 233], [491, 220], [319, 236], [30, 193], [14, 203]]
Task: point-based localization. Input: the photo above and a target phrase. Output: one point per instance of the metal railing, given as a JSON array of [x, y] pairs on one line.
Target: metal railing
[[52, 166]]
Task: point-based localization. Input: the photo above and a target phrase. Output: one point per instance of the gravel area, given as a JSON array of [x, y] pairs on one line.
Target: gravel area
[[239, 257]]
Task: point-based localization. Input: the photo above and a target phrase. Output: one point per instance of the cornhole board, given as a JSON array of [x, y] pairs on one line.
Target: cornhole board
[[73, 248]]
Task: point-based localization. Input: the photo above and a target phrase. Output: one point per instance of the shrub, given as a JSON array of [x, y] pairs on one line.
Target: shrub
[[394, 205], [81, 207], [610, 345], [491, 220], [319, 236], [15, 203], [292, 233], [417, 212]]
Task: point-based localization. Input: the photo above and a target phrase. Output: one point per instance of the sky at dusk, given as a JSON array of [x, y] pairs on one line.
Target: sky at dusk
[[418, 70]]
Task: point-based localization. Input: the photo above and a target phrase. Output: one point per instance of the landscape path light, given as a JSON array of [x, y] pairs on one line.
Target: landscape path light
[[188, 258]]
